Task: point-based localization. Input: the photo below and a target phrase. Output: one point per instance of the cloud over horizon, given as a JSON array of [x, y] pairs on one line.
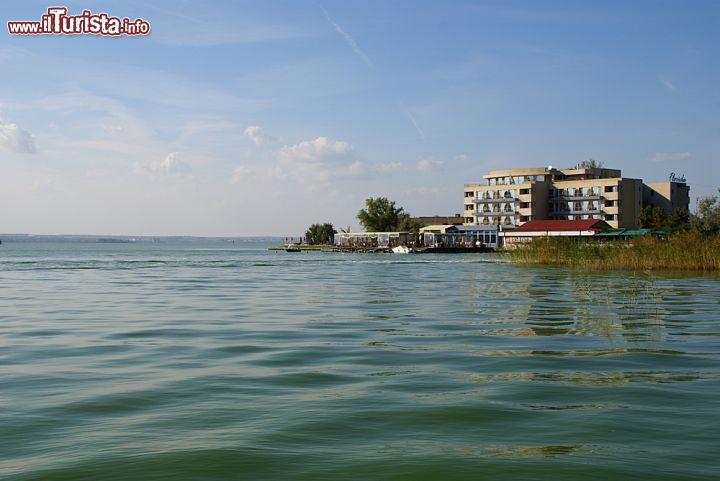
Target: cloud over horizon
[[427, 165], [670, 157], [16, 139], [317, 160], [320, 150], [308, 161], [258, 135], [169, 165]]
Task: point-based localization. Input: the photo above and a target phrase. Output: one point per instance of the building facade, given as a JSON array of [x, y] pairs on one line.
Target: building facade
[[509, 198], [669, 196]]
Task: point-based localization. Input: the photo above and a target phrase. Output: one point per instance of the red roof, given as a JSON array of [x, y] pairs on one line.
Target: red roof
[[563, 225]]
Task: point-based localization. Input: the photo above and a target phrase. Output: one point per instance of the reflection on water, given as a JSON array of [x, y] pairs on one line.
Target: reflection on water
[[175, 361]]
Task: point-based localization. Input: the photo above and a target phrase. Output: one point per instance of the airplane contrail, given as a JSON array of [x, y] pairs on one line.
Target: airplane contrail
[[350, 41]]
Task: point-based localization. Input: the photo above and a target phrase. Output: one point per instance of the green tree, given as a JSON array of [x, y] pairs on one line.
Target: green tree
[[590, 164], [707, 218], [380, 215], [318, 234], [651, 217], [679, 220], [408, 224]]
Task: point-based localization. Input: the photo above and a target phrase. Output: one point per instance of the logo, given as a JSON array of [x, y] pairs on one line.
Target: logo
[[674, 178], [57, 22]]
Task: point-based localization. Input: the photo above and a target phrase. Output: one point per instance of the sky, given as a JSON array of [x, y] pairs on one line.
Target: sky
[[254, 118]]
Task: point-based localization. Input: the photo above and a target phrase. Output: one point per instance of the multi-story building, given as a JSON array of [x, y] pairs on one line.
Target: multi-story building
[[512, 197], [669, 196]]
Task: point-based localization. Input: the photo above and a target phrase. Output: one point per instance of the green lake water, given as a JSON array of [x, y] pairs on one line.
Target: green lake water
[[221, 361]]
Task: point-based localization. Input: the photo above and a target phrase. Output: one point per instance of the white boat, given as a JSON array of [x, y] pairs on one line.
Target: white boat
[[401, 250], [292, 248]]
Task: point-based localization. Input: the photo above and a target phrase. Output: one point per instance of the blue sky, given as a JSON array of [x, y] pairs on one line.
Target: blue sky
[[263, 117]]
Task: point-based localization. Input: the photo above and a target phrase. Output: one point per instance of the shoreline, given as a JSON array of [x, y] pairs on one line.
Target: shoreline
[[384, 250]]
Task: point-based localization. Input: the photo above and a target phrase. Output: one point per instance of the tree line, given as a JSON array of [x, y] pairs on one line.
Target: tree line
[[706, 219], [379, 215]]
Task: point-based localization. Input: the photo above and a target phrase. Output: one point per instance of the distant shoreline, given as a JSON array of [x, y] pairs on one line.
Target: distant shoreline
[[124, 239]]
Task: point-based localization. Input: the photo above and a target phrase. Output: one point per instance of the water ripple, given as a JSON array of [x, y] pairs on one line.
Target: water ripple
[[188, 361]]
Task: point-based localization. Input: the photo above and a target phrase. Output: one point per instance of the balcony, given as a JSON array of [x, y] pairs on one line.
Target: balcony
[[527, 211], [525, 198], [479, 200], [493, 214], [576, 197], [611, 195], [575, 212]]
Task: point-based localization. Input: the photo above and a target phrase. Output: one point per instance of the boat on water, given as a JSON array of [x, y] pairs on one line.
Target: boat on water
[[402, 250], [292, 248]]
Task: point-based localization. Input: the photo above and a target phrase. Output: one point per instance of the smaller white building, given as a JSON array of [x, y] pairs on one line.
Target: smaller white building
[[545, 228]]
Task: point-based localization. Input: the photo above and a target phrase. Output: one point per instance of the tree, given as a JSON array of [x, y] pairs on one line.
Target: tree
[[651, 217], [707, 218], [408, 224], [589, 164], [678, 220], [380, 215], [320, 234]]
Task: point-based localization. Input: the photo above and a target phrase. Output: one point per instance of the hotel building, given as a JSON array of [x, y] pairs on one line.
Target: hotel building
[[509, 198]]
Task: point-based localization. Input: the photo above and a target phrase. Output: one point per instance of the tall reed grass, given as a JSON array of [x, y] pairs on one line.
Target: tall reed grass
[[684, 251]]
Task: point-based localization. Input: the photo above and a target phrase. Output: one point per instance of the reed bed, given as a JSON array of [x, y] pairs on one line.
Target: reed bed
[[684, 251]]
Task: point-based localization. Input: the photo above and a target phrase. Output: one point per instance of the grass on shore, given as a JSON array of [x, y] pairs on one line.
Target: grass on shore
[[684, 251]]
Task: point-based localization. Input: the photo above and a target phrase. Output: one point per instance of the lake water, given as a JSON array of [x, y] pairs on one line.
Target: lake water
[[215, 360]]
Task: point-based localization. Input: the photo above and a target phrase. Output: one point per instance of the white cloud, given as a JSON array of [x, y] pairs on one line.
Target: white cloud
[[427, 165], [171, 164], [390, 167], [670, 157], [15, 139], [310, 163], [320, 150], [258, 135], [352, 170], [243, 172]]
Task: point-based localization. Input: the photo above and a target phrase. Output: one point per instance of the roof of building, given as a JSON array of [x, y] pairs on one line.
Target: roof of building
[[440, 228], [626, 232], [563, 225], [476, 228], [439, 219]]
